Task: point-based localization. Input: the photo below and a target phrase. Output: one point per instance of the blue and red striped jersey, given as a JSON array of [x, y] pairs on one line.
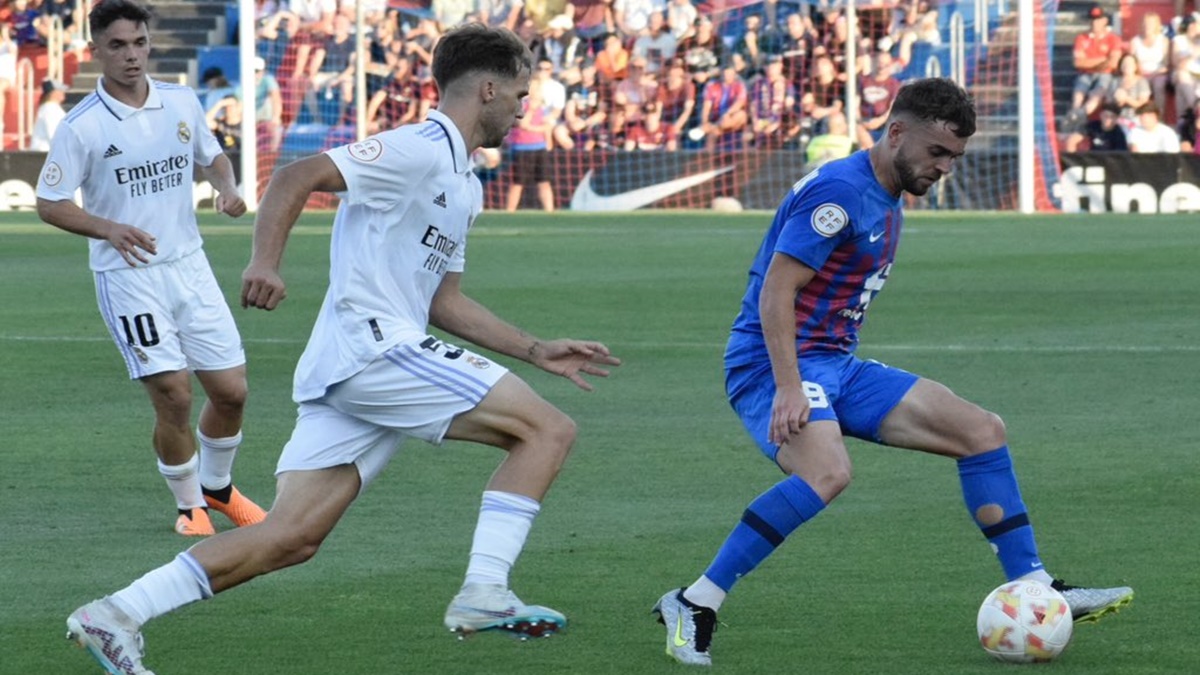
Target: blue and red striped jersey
[[841, 222]]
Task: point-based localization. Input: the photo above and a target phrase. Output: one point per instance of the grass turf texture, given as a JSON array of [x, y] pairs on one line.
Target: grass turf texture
[[1079, 331]]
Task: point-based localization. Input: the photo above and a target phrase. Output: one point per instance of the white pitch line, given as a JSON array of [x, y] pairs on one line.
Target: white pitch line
[[980, 349]]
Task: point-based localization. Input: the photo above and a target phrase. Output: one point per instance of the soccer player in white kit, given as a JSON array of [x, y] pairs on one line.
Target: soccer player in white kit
[[131, 146], [373, 376]]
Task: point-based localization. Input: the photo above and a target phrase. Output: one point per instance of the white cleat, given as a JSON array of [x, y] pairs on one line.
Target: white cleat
[[481, 607], [109, 636], [1090, 604], [689, 628]]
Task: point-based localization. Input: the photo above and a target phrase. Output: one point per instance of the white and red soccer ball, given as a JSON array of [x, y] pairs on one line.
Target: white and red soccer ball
[[1024, 622]]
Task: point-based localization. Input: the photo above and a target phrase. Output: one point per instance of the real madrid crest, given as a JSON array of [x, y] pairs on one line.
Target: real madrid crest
[[184, 133]]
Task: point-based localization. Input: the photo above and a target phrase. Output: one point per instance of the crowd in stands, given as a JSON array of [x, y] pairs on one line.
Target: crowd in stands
[[1136, 95], [633, 75], [27, 24]]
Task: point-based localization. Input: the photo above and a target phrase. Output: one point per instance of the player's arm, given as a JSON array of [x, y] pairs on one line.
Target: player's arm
[[777, 311], [220, 174], [286, 195], [133, 244], [459, 315]]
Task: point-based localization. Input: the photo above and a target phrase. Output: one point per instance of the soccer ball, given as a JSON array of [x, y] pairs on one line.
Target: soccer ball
[[1024, 622]]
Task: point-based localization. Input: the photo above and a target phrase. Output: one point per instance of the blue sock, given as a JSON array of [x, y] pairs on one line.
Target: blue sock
[[769, 519], [988, 479]]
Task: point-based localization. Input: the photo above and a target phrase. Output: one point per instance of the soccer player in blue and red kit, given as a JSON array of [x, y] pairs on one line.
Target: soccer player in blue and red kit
[[793, 379]]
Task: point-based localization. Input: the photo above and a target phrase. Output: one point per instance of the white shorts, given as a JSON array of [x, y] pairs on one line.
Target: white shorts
[[169, 317], [414, 389]]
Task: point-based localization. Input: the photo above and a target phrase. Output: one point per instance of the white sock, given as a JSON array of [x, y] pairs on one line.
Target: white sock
[[504, 522], [216, 459], [1039, 575], [180, 582], [184, 482], [705, 593]]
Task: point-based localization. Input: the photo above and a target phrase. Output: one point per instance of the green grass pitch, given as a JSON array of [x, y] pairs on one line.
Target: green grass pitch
[[1080, 331]]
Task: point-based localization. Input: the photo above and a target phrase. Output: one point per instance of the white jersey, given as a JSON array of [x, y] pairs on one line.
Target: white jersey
[[410, 199], [135, 166]]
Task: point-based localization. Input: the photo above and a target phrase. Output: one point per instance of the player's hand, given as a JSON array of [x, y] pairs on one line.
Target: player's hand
[[789, 413], [572, 359], [230, 204], [262, 287], [133, 244]]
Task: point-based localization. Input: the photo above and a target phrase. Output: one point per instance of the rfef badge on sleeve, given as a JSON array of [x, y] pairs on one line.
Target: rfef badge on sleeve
[[829, 219]]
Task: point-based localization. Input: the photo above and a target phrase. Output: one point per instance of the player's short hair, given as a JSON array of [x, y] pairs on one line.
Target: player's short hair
[[475, 47], [937, 99], [105, 12]]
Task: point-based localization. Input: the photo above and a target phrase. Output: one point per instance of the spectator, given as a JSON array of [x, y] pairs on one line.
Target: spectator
[[315, 21], [1100, 135], [920, 26], [748, 47], [450, 13], [420, 40], [657, 45], [275, 34], [225, 120], [66, 11], [397, 103], [799, 43], [832, 35], [826, 94], [1129, 90], [593, 21], [530, 142], [50, 112], [429, 93], [1095, 56], [25, 22], [773, 106], [331, 73], [677, 94], [632, 17], [723, 114], [612, 63], [705, 50], [1152, 49], [878, 90], [835, 143], [1185, 63], [215, 85], [1189, 131], [504, 13], [268, 115], [585, 115], [616, 132], [650, 133], [554, 94], [635, 91], [681, 18], [1150, 135], [558, 44], [8, 71]]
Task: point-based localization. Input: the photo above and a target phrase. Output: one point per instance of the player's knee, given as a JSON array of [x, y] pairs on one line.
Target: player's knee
[[173, 405], [291, 545], [829, 481], [558, 431], [988, 434], [231, 400]]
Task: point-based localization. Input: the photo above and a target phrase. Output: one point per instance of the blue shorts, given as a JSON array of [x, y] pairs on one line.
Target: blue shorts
[[856, 394]]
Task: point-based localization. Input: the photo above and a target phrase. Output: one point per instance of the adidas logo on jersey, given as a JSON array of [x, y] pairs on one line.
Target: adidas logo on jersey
[[440, 200], [112, 151]]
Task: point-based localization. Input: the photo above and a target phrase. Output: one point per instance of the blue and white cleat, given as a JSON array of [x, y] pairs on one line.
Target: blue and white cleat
[[482, 607]]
